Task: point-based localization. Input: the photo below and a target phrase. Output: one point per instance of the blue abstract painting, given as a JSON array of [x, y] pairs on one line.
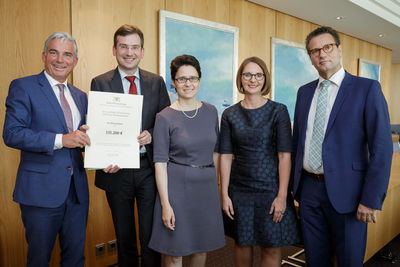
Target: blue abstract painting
[[291, 68], [369, 69], [213, 44]]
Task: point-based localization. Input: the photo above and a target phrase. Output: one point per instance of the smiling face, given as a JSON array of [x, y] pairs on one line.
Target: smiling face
[[59, 59], [188, 89], [128, 53], [326, 64], [252, 86]]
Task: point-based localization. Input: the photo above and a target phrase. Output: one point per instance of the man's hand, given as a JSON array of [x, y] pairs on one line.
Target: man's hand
[[77, 138], [144, 138], [365, 214], [111, 169]]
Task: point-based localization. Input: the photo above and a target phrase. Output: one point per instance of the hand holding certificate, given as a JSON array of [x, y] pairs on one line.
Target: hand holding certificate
[[114, 124]]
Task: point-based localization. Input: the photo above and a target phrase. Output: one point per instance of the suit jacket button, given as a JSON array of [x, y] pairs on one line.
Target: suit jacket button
[[69, 168]]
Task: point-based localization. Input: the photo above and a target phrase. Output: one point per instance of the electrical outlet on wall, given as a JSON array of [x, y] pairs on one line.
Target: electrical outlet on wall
[[100, 249], [112, 245]]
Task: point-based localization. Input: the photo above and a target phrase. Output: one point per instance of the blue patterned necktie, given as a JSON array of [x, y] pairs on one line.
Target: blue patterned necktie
[[315, 159]]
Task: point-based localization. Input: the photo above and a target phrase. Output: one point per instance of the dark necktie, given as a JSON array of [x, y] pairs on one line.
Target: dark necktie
[[65, 108], [132, 88]]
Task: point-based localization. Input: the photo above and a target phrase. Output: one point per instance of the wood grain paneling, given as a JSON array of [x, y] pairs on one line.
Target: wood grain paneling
[[214, 10], [256, 28], [24, 25], [292, 29], [350, 51], [395, 94], [388, 220]]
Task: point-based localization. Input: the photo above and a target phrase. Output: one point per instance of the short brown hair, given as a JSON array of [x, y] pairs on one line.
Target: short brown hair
[[322, 30], [127, 29], [267, 83]]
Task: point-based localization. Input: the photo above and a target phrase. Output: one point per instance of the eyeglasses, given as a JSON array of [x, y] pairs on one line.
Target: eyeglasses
[[183, 80], [127, 47], [247, 76], [327, 49]]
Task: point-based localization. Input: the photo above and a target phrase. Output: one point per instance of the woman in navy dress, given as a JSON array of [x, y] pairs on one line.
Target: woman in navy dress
[[187, 212], [255, 147]]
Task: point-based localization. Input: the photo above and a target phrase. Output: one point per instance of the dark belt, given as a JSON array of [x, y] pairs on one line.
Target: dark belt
[[143, 155], [319, 177], [191, 165]]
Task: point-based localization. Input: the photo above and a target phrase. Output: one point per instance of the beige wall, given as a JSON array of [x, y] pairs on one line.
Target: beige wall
[[26, 23], [395, 95]]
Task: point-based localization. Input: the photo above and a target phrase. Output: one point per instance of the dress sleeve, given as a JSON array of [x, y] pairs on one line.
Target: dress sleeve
[[216, 149], [225, 140], [283, 130], [161, 139]]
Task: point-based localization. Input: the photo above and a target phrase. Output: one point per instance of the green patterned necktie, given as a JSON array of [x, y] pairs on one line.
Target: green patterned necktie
[[315, 159]]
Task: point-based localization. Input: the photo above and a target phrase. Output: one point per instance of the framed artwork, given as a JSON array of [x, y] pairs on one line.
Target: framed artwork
[[291, 68], [215, 46], [369, 69]]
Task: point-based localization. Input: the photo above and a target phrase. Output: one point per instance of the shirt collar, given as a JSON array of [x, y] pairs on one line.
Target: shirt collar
[[336, 78], [123, 74], [53, 82]]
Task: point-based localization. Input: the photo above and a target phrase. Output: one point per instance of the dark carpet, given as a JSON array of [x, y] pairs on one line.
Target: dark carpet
[[388, 256]]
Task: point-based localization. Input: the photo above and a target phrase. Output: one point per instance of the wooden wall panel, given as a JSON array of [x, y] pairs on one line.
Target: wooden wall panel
[[395, 94], [381, 55], [256, 28], [385, 58], [292, 29], [214, 10], [24, 25], [93, 25], [350, 51]]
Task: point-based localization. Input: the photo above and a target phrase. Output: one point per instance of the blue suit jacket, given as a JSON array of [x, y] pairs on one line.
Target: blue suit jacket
[[357, 148], [33, 118]]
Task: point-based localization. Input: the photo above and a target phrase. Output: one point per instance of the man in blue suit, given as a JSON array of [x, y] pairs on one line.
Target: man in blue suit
[[43, 116], [342, 151]]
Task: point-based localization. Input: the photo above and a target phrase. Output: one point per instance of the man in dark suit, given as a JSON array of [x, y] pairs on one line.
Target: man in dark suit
[[42, 117], [342, 151], [123, 186]]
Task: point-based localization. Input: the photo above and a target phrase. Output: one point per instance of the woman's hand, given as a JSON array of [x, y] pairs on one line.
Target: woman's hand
[[227, 206], [278, 207], [168, 217]]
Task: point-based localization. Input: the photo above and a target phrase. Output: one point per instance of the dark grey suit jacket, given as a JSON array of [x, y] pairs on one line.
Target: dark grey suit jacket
[[155, 99]]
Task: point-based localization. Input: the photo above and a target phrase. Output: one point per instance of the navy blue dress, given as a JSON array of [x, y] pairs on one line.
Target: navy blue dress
[[254, 137]]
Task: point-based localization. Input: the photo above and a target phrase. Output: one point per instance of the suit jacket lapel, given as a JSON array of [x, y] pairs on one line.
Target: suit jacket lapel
[[78, 103], [144, 85], [116, 83], [51, 97], [341, 96], [306, 103]]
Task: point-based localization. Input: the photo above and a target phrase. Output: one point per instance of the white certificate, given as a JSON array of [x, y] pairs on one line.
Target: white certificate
[[114, 122]]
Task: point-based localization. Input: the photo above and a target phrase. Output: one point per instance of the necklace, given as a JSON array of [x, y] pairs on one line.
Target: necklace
[[186, 115]]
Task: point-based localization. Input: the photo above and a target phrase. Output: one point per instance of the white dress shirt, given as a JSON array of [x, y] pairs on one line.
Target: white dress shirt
[[126, 85], [76, 116], [333, 89]]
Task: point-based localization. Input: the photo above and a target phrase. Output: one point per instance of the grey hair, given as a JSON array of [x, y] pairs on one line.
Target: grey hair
[[62, 36]]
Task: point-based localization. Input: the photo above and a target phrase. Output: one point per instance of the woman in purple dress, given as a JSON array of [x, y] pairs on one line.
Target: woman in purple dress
[[187, 214]]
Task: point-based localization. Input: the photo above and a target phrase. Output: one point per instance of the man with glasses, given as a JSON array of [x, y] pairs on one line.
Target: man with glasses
[[123, 186], [342, 151]]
